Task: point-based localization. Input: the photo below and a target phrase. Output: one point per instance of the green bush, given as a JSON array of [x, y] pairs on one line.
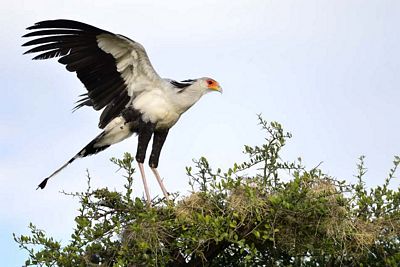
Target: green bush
[[262, 212]]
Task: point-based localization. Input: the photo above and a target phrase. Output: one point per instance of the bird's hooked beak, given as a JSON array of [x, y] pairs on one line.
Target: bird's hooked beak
[[218, 89]]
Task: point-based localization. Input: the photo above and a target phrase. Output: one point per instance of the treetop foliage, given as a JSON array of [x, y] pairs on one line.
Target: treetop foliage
[[261, 212]]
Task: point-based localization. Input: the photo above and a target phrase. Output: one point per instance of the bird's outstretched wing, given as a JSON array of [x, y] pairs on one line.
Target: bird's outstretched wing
[[113, 68]]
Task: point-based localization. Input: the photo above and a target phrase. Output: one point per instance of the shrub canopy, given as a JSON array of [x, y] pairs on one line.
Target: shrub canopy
[[264, 211]]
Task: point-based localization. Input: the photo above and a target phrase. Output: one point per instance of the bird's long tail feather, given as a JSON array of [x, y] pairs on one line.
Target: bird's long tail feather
[[88, 150]]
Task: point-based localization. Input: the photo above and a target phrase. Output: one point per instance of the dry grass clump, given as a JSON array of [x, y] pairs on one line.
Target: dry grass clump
[[340, 224], [246, 201], [197, 202], [322, 187], [145, 234]]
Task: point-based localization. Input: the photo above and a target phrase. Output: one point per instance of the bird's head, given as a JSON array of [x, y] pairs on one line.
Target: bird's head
[[210, 85], [192, 90]]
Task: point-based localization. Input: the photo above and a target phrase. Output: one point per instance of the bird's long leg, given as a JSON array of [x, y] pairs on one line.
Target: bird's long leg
[[158, 142], [144, 137], [146, 188], [160, 182]]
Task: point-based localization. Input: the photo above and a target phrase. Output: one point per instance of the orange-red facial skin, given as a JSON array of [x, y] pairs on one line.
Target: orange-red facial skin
[[213, 85]]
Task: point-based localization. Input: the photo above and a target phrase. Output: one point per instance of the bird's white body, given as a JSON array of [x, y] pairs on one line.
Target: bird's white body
[[157, 106]]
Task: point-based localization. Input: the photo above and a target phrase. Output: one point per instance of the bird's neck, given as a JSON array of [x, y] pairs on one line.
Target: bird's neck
[[188, 97]]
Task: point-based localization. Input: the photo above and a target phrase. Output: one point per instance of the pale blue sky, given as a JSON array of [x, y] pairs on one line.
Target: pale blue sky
[[327, 70]]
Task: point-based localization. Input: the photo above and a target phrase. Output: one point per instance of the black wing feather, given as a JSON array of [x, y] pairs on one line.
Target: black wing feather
[[51, 32], [50, 54], [76, 43], [66, 24]]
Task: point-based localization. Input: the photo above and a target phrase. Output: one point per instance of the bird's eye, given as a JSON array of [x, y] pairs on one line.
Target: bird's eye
[[209, 82]]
